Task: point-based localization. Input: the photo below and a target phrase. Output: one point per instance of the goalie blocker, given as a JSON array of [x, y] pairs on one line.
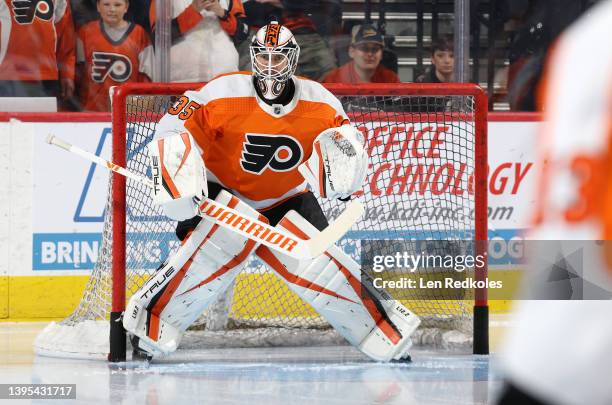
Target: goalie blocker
[[178, 175]]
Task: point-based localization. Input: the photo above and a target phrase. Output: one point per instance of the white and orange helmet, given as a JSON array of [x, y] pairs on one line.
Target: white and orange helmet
[[274, 54]]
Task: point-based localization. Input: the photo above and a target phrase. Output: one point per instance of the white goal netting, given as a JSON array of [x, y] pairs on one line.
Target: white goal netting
[[421, 184]]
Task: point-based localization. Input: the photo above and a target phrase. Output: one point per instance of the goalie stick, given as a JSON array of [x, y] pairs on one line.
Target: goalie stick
[[233, 220]]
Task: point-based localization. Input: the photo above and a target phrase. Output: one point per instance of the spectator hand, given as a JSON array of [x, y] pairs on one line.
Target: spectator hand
[[215, 7], [199, 4], [67, 88]]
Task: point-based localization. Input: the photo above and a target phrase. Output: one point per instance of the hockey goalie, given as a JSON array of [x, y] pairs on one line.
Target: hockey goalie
[[265, 144]]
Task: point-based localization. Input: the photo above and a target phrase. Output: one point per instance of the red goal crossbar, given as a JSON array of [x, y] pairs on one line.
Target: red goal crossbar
[[120, 115]]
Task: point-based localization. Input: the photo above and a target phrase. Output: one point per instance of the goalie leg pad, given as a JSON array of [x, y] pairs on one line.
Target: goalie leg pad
[[191, 280], [369, 319]]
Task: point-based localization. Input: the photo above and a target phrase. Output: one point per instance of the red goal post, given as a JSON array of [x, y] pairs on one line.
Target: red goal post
[[475, 115]]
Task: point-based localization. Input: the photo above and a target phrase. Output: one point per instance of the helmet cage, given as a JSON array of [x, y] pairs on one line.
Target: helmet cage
[[277, 63]]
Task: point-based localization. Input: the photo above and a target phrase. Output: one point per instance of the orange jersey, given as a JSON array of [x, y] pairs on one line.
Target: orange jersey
[[249, 146], [36, 40], [574, 200], [109, 63], [347, 74]]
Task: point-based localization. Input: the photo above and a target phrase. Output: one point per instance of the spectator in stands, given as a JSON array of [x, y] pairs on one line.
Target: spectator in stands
[[539, 22], [111, 51], [37, 55], [316, 58], [366, 52], [442, 62], [204, 38]]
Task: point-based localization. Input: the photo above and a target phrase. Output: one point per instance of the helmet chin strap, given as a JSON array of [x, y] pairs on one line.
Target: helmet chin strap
[[270, 89]]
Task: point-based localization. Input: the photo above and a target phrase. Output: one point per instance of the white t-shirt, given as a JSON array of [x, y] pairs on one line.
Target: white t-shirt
[[205, 51]]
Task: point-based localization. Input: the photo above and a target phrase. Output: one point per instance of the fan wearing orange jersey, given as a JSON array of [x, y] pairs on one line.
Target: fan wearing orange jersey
[[37, 53], [111, 51], [266, 140]]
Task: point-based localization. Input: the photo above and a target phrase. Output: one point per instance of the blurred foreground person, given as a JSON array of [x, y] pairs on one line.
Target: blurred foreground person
[[560, 351]]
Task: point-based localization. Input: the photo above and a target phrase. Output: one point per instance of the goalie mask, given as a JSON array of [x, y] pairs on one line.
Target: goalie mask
[[274, 58]]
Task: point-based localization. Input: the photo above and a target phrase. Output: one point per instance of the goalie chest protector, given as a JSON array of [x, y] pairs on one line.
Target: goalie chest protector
[[249, 147]]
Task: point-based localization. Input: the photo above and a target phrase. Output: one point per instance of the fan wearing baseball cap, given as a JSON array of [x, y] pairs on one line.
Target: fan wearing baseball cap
[[366, 52]]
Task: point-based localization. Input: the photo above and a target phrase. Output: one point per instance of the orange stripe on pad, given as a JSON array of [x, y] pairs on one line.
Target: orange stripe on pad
[[291, 227], [166, 177], [381, 320], [161, 304], [322, 190], [268, 257], [187, 142], [235, 261]]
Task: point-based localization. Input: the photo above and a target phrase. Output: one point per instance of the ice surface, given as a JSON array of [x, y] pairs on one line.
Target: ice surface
[[313, 375]]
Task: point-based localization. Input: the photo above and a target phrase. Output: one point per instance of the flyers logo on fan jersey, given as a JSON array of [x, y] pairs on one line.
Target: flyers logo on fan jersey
[[26, 10], [280, 153], [104, 64]]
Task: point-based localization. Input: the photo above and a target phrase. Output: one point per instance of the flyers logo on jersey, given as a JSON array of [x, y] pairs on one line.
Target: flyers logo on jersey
[[272, 33], [280, 153], [105, 64], [26, 10]]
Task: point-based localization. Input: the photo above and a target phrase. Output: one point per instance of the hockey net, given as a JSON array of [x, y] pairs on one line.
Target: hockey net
[[427, 180]]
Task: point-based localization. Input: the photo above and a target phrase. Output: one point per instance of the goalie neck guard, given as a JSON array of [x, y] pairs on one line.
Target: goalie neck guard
[[274, 57]]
